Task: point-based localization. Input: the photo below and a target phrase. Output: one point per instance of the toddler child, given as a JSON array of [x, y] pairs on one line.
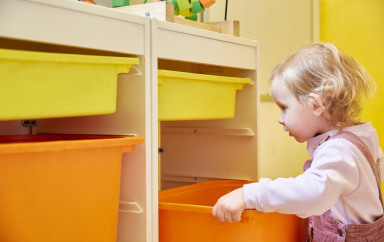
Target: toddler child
[[319, 90]]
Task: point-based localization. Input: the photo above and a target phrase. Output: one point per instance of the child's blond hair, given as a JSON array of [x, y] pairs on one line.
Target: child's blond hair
[[334, 76]]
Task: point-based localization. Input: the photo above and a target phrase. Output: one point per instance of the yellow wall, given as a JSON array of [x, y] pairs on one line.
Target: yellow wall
[[354, 25], [357, 27]]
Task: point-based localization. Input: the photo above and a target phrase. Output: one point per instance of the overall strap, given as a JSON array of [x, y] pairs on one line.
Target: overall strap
[[354, 139]]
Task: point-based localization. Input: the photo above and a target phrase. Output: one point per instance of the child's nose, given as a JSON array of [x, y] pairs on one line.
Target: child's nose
[[281, 120]]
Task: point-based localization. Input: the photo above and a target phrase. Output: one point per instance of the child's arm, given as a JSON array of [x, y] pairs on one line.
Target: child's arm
[[230, 206]]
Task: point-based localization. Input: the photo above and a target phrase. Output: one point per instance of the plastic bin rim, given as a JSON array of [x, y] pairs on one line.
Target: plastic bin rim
[[202, 77], [201, 209], [127, 144], [202, 185], [64, 57]]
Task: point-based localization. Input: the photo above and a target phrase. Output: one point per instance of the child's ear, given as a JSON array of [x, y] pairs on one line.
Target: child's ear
[[317, 104]]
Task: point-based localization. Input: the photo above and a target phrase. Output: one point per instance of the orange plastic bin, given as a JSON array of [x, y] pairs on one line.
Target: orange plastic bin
[[61, 188], [185, 214]]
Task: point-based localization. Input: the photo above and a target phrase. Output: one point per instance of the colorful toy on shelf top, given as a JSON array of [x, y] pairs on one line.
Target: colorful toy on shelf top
[[89, 1], [187, 8], [190, 8]]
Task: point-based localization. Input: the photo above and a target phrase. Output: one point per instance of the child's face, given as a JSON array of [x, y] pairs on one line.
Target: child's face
[[297, 117]]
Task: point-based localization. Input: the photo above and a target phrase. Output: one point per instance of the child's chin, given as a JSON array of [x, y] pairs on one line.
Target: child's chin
[[298, 139]]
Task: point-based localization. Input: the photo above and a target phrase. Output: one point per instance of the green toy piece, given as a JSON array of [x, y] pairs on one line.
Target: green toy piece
[[193, 17], [120, 3], [196, 6]]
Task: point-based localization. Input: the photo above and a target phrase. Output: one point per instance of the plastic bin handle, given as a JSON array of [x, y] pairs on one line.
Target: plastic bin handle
[[129, 207], [135, 71]]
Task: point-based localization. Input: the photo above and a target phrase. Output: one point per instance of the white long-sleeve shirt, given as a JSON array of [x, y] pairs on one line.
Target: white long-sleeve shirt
[[339, 179]]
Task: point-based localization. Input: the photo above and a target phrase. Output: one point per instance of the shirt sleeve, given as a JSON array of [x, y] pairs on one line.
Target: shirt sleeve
[[333, 172]]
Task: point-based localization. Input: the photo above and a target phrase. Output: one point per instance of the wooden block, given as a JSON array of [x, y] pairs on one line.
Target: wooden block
[[200, 25], [196, 6], [207, 3], [231, 27], [184, 4], [119, 3]]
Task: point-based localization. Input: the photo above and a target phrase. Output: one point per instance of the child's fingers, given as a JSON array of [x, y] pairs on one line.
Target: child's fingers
[[229, 207], [214, 211], [236, 217], [232, 214], [218, 212], [225, 214]]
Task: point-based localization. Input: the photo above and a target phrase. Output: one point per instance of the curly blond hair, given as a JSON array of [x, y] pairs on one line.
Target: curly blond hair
[[339, 80]]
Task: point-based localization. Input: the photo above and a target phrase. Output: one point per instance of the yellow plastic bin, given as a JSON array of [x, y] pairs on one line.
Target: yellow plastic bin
[[61, 188], [190, 96], [46, 85], [185, 214]]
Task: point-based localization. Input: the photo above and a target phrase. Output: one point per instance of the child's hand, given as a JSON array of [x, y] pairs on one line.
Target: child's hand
[[230, 206]]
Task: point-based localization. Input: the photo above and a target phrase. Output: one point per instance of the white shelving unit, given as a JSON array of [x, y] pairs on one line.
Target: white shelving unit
[[193, 150], [81, 28]]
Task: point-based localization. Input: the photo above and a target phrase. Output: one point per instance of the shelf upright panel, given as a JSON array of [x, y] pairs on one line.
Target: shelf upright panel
[[153, 218], [141, 176]]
